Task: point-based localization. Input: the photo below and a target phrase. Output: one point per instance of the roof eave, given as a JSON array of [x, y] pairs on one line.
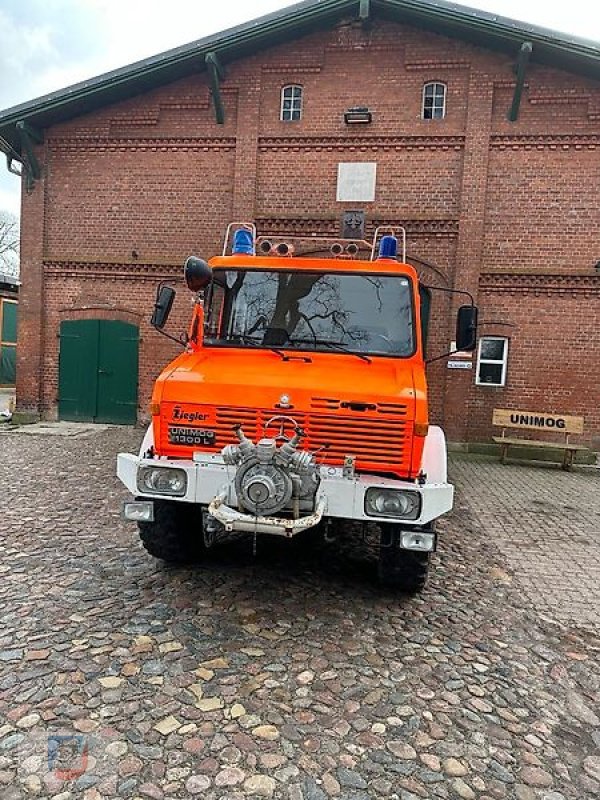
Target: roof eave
[[482, 28], [573, 53], [291, 22]]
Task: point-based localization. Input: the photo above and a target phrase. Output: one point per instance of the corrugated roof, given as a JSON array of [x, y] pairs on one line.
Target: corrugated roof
[[567, 52], [9, 281]]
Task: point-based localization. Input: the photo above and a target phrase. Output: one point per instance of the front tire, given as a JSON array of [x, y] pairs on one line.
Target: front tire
[[402, 570], [176, 534]]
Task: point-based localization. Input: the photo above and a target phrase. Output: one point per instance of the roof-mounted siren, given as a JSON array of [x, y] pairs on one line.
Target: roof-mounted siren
[[243, 243], [244, 239], [388, 243], [388, 247]]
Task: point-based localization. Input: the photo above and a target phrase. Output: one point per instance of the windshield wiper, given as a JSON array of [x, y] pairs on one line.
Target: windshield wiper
[[335, 345], [255, 341]]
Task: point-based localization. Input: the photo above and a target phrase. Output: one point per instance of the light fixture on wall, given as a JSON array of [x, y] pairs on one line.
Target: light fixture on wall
[[359, 115]]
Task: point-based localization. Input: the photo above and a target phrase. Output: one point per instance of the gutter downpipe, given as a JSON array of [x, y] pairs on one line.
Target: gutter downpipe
[[216, 75], [521, 70]]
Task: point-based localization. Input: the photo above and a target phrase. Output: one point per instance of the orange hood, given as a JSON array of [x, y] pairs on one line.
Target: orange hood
[[346, 404]]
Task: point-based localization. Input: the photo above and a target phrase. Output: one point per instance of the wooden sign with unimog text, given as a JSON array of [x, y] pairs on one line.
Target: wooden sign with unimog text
[[534, 420]]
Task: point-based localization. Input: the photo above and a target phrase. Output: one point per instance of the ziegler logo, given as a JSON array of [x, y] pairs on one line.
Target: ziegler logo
[[188, 416]]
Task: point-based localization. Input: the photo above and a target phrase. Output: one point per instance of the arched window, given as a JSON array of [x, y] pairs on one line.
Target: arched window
[[291, 103], [434, 100]]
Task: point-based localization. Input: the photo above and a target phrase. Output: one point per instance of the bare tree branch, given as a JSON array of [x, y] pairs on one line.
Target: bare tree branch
[[9, 244]]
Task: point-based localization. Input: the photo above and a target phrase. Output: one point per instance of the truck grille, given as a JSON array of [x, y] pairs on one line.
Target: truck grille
[[377, 443], [378, 438]]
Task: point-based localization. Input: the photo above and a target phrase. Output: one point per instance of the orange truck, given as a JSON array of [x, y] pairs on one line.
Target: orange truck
[[300, 402]]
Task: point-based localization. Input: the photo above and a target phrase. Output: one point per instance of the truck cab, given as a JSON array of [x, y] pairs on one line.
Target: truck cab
[[300, 402]]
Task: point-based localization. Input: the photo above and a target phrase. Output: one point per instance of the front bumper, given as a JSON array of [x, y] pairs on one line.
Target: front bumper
[[210, 483]]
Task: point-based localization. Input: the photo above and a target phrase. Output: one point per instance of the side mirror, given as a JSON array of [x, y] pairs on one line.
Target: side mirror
[[466, 328], [162, 307], [197, 274]]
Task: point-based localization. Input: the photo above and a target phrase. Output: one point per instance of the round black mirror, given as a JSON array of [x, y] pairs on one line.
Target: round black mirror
[[197, 273]]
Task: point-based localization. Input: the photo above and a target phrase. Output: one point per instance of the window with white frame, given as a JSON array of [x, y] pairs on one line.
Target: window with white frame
[[434, 100], [492, 358], [291, 103]]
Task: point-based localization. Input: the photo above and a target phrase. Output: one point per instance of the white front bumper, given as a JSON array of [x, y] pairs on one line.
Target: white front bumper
[[209, 479]]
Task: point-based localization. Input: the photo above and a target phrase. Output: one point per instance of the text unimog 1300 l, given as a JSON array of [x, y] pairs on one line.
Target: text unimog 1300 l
[[300, 400]]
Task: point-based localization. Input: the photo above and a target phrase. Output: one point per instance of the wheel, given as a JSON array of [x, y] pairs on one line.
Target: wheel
[[176, 534], [403, 570]]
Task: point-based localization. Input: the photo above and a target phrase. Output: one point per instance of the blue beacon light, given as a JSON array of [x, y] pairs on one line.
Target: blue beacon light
[[243, 243], [388, 247]]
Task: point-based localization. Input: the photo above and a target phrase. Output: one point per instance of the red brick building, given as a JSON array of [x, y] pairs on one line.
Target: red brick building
[[486, 140]]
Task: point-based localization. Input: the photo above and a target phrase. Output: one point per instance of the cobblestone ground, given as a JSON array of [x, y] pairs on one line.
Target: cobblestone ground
[[290, 675], [546, 523]]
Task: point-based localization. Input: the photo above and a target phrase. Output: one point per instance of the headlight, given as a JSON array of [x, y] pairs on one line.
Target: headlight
[[162, 480], [392, 503]]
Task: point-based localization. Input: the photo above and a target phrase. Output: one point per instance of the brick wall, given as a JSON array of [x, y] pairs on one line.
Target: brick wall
[[554, 348], [505, 210]]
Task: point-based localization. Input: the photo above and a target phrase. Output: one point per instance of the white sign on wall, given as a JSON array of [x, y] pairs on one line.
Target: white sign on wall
[[460, 365], [356, 182]]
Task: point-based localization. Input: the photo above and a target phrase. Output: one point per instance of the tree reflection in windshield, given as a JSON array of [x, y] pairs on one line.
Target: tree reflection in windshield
[[312, 311]]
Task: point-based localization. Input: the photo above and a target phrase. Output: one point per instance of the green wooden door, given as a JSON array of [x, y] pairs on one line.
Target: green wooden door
[[98, 371], [8, 342], [77, 370], [117, 373]]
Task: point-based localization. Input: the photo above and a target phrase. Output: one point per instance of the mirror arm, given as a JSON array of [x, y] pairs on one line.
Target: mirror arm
[[182, 340], [450, 291], [444, 355]]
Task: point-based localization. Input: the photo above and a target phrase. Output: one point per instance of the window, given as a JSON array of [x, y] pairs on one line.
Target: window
[[434, 100], [291, 103], [492, 357]]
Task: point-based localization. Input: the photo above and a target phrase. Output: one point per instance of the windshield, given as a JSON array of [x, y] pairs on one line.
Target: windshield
[[369, 314]]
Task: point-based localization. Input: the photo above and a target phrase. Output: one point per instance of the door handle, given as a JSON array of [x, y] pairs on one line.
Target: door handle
[[104, 372]]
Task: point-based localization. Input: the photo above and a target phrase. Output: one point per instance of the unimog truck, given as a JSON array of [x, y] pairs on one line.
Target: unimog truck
[[299, 402]]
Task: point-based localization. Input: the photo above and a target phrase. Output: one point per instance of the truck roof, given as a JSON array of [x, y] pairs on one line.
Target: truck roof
[[312, 264]]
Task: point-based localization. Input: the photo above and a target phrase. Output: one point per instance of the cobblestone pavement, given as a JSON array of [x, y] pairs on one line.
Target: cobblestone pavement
[[546, 523], [290, 675]]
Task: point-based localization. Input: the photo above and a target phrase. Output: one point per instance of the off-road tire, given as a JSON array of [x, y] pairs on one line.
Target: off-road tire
[[175, 536], [402, 570]]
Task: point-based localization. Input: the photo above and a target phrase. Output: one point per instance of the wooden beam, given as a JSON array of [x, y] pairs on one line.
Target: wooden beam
[[30, 135], [216, 75], [521, 70]]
